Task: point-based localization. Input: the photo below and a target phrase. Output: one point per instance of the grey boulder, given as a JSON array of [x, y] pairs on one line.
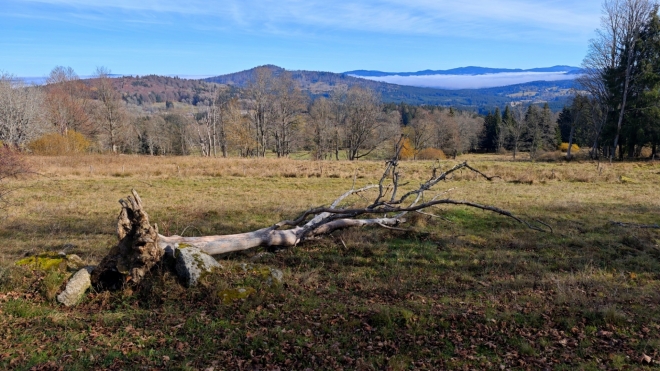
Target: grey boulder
[[74, 263], [76, 287], [192, 263]]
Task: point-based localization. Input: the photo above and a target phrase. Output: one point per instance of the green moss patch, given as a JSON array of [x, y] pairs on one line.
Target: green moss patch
[[44, 262], [231, 295]]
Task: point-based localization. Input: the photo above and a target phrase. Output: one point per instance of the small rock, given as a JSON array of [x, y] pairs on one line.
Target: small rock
[[246, 267], [192, 263], [276, 276], [76, 287], [67, 247], [74, 263]]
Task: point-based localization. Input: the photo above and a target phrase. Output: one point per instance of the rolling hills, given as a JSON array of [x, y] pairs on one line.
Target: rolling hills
[[317, 83], [149, 89]]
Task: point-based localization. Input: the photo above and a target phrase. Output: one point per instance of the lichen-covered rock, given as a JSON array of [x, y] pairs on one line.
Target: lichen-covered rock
[[192, 263], [76, 287], [74, 263], [275, 276]]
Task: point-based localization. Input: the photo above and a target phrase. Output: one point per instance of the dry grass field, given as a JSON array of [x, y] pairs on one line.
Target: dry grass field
[[468, 290]]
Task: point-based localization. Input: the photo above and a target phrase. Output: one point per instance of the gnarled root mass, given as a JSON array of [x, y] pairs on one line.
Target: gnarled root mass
[[141, 247], [137, 251]]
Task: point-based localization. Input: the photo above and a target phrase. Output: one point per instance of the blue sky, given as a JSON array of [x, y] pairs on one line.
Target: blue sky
[[215, 37]]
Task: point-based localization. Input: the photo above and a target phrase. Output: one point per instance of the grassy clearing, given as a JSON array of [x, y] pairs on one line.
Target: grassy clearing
[[470, 291]]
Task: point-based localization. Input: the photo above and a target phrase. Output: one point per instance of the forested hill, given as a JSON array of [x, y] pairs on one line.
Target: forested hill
[[313, 81], [154, 89], [316, 83]]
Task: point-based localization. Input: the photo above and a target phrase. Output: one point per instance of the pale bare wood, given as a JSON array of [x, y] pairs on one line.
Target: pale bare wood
[[216, 245], [137, 251]]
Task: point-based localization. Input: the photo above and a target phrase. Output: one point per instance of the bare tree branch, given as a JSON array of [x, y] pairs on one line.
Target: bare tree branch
[[634, 225]]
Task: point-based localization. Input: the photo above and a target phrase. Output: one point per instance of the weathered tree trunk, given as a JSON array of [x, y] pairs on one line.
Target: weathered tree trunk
[[136, 253], [271, 236], [570, 143]]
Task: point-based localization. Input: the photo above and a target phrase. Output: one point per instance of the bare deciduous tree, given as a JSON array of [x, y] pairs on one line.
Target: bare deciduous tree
[[321, 127], [241, 134], [470, 125], [109, 111], [447, 135], [261, 107], [66, 101], [614, 49], [21, 113], [288, 103], [363, 123], [420, 131], [515, 126]]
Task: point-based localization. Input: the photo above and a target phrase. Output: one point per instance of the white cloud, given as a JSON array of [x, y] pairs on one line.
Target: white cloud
[[473, 81]]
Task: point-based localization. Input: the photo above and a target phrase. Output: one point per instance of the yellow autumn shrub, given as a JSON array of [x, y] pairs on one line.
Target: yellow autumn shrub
[[431, 154], [407, 150], [564, 147], [57, 144]]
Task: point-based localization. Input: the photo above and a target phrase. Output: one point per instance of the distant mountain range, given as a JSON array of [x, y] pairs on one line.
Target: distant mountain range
[[471, 70], [555, 93], [471, 77]]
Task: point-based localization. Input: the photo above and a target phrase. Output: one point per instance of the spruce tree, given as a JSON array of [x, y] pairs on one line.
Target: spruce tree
[[498, 129], [507, 125], [489, 136]]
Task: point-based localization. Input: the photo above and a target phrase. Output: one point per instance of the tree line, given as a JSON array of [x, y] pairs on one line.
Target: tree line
[[270, 116], [616, 108]]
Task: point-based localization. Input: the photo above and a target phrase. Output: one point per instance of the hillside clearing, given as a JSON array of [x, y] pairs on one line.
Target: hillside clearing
[[468, 290]]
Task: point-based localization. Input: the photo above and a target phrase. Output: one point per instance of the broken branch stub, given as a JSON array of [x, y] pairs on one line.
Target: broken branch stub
[[137, 251]]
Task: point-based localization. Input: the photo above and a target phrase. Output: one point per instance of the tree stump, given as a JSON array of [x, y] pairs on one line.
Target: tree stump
[[135, 254]]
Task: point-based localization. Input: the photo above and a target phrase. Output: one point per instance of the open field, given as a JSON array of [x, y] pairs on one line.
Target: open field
[[470, 290]]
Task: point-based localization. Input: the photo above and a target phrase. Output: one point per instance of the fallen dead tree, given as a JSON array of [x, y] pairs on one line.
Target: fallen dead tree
[[141, 247]]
